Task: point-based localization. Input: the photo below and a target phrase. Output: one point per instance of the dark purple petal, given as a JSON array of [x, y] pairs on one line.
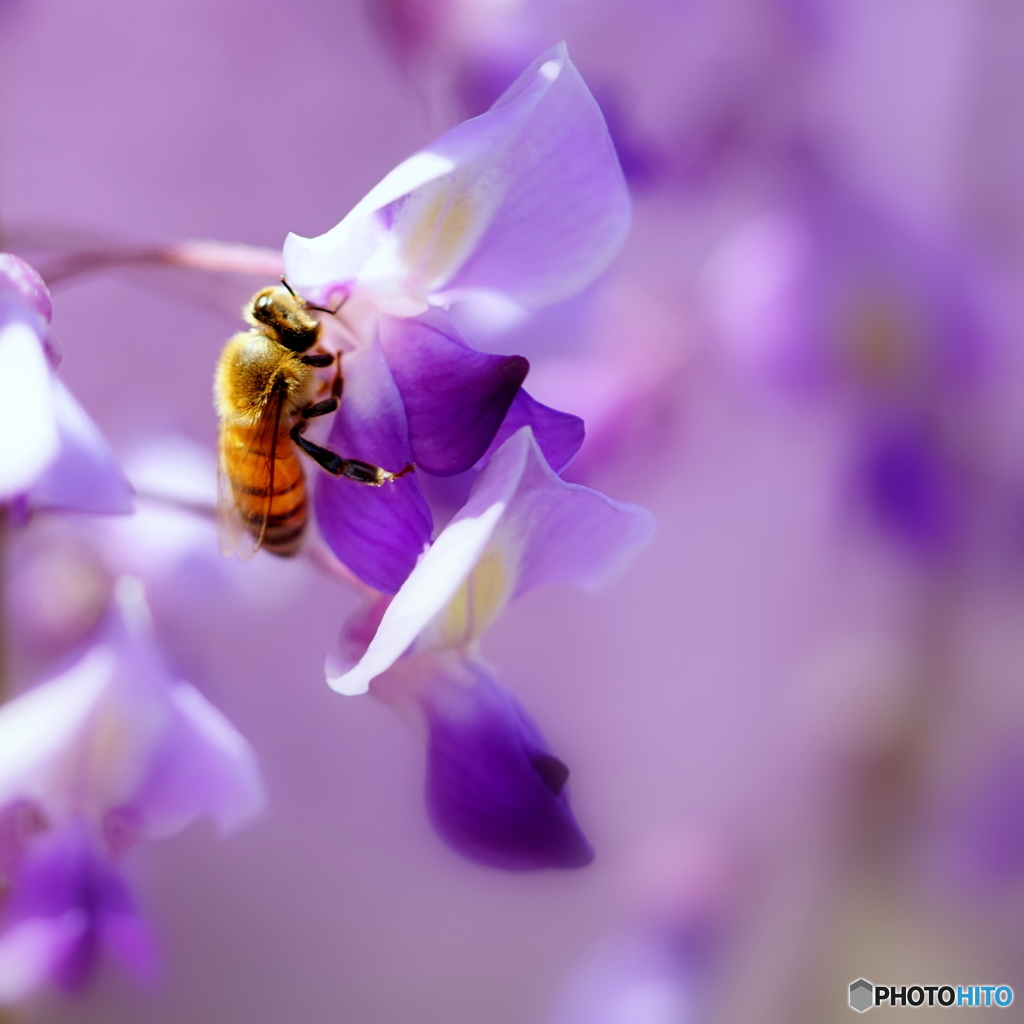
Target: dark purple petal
[[455, 397], [378, 532], [910, 488], [67, 902], [494, 791], [559, 435]]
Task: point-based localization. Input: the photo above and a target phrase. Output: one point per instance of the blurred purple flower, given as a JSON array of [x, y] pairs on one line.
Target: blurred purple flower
[[51, 453], [830, 293], [910, 484], [494, 791], [69, 903], [113, 750], [830, 297], [525, 202], [657, 967]]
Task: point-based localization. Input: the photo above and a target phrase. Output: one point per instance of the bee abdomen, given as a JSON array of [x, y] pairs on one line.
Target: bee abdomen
[[279, 511]]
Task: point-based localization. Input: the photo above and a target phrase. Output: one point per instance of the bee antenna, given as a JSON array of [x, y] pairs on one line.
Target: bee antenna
[[309, 305], [323, 309]]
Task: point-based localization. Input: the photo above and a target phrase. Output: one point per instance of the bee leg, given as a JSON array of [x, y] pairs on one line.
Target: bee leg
[[350, 469], [318, 359], [322, 359], [328, 405], [339, 382]]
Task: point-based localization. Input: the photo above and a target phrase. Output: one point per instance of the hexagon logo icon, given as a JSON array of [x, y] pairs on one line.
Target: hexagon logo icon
[[862, 995]]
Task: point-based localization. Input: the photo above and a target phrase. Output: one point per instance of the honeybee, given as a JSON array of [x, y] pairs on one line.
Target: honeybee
[[265, 392]]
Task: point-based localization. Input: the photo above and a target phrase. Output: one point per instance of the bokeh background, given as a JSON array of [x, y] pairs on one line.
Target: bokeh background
[[796, 724]]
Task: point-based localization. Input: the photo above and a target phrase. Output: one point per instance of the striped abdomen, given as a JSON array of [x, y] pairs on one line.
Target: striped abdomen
[[267, 484]]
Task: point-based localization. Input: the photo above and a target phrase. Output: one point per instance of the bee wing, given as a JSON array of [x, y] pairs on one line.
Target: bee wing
[[245, 482]]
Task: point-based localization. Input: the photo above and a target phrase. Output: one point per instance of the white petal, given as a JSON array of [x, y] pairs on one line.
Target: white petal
[[428, 590]]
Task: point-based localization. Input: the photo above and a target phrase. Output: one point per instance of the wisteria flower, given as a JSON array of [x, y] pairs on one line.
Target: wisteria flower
[[831, 296], [524, 205], [51, 454], [111, 751], [494, 791]]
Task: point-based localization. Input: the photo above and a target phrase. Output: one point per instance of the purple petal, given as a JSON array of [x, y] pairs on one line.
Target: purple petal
[[494, 791], [202, 766], [523, 527], [559, 435], [85, 477], [565, 208], [378, 532], [455, 397], [67, 902], [561, 533]]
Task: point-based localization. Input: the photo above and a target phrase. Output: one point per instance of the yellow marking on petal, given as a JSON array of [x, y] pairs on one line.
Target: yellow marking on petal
[[437, 242], [477, 602]]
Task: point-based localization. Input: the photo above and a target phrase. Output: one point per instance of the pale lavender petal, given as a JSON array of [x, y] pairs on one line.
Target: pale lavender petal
[[559, 435], [527, 199], [378, 532], [40, 732], [203, 766], [85, 476], [557, 532], [494, 791], [455, 397], [29, 438], [564, 210]]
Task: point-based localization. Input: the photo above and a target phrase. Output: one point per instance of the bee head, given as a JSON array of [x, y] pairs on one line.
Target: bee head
[[286, 315]]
